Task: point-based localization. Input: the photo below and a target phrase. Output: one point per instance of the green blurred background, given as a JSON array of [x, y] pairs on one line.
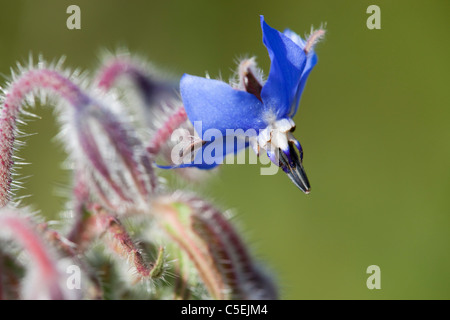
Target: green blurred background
[[373, 120]]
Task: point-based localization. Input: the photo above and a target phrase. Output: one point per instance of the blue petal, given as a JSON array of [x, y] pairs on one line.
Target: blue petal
[[189, 165], [288, 62], [199, 162], [311, 61], [295, 38], [212, 153], [218, 106]]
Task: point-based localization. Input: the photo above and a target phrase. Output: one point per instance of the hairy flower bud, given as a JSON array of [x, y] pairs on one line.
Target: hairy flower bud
[[217, 251]]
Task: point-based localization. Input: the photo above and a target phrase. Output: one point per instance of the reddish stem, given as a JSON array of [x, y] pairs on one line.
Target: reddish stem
[[164, 133], [215, 248], [69, 249], [28, 82], [113, 70], [102, 224], [48, 275], [231, 257]]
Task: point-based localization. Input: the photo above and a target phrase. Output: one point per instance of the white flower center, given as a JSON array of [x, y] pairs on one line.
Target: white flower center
[[275, 135]]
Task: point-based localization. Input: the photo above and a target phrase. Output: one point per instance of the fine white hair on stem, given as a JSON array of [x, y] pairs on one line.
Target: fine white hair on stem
[[314, 37]]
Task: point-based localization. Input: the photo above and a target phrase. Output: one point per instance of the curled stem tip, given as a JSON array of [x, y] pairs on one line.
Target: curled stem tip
[[124, 67], [28, 82]]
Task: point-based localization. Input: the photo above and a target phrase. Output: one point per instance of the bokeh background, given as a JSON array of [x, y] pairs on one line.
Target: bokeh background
[[373, 121]]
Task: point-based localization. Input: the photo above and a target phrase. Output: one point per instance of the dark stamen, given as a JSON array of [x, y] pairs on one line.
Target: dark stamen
[[292, 165], [252, 85]]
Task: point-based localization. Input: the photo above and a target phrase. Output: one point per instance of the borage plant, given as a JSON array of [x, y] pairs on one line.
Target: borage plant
[[129, 235]]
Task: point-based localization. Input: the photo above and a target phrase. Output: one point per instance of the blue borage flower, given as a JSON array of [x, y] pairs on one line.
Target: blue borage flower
[[252, 104]]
